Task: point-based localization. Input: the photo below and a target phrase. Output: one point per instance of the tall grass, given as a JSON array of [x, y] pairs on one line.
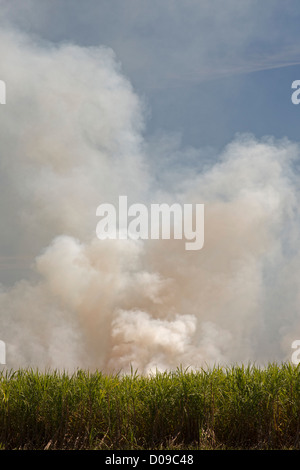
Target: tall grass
[[241, 407]]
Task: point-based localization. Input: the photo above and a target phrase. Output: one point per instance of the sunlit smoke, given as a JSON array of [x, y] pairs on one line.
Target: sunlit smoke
[[72, 138]]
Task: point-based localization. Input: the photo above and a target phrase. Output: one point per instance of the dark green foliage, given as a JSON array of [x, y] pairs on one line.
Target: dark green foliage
[[220, 408]]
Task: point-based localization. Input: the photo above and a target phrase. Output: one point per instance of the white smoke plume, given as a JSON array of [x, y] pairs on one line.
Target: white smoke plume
[[71, 138]]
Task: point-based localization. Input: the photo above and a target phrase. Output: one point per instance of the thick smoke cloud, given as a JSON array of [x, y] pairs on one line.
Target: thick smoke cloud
[[71, 138]]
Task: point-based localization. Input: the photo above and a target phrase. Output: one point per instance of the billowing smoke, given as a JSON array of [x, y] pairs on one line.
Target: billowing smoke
[[72, 138]]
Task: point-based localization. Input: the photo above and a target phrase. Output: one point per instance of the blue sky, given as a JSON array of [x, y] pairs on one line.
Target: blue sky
[[206, 69]]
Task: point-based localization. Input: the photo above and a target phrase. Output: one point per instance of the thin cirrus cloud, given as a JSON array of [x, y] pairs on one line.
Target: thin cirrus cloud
[[161, 44]]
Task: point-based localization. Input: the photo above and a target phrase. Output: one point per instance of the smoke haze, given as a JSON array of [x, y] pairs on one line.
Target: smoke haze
[[72, 137]]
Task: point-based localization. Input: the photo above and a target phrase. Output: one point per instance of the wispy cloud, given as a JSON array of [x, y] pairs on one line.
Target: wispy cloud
[[159, 42]]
